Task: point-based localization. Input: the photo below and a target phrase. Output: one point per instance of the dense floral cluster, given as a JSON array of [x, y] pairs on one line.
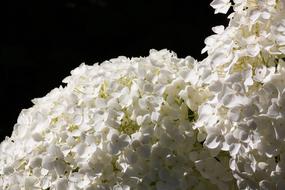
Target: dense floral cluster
[[163, 122], [124, 124], [245, 117]]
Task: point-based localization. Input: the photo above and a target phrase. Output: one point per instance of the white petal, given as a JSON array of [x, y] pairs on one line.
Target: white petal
[[212, 141]]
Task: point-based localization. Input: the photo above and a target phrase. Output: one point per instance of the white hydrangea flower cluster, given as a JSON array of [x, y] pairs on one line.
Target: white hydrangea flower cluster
[[163, 122], [245, 116], [126, 124]]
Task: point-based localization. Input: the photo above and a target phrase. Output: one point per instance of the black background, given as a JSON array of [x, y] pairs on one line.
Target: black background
[[42, 41]]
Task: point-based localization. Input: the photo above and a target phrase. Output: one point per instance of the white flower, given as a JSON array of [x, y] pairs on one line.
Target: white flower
[[221, 6], [161, 122], [133, 130]]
